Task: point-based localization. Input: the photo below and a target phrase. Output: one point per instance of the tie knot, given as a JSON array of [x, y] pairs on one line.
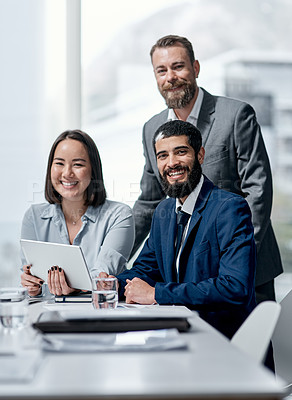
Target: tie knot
[[182, 217]]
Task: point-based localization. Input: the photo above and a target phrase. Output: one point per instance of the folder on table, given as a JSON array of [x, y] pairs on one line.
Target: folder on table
[[113, 320]]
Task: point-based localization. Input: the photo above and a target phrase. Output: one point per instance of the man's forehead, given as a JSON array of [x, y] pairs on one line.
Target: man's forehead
[[168, 143], [162, 54]]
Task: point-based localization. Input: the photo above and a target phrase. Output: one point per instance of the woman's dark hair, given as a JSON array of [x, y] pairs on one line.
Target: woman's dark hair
[[95, 193]]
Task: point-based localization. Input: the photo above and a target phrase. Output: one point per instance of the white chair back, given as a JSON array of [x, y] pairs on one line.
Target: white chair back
[[282, 341], [254, 335]]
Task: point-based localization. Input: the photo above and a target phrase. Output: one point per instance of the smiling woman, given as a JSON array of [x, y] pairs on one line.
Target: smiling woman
[[78, 213], [71, 176]]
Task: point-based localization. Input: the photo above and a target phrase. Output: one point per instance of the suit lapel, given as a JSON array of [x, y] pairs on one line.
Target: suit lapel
[[206, 117], [194, 224], [199, 206], [169, 241]]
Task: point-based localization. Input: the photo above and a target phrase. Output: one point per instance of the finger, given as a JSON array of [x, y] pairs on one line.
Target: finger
[[127, 291], [103, 275], [34, 288], [28, 283], [128, 283], [27, 275], [34, 291], [27, 279], [66, 289], [49, 280], [129, 300], [52, 280], [62, 278], [57, 282], [26, 268]]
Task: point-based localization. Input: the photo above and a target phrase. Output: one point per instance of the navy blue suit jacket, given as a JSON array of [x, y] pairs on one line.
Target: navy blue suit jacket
[[217, 262], [235, 160]]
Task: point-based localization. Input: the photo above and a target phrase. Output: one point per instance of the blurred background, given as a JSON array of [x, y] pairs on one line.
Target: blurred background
[[68, 64]]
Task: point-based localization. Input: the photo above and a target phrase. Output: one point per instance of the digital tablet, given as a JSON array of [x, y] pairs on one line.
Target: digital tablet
[[44, 255]]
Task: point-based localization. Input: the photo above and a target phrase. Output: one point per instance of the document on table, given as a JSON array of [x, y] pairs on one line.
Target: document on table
[[152, 340], [126, 312], [19, 367]]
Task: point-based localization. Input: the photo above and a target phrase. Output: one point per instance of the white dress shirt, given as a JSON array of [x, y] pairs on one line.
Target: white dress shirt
[[188, 207]]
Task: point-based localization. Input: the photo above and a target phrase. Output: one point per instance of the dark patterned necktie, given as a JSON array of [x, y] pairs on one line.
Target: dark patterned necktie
[[182, 220]]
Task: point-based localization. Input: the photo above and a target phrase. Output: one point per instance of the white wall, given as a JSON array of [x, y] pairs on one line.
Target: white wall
[[22, 119]]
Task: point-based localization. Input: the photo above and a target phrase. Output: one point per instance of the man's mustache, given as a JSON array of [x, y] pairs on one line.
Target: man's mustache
[[170, 169], [175, 85]]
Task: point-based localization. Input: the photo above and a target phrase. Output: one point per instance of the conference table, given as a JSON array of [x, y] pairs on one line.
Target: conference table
[[209, 367]]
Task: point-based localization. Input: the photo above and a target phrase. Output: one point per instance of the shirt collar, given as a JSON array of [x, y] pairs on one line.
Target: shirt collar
[[189, 204], [54, 211], [92, 212], [51, 211], [194, 114]]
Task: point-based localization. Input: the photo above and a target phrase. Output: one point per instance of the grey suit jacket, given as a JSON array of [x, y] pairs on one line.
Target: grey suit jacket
[[235, 160]]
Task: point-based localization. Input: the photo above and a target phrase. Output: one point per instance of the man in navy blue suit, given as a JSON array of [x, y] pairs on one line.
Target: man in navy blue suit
[[214, 269]]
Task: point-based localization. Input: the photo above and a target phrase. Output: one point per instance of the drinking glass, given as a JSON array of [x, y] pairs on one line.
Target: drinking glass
[[13, 307], [105, 293]]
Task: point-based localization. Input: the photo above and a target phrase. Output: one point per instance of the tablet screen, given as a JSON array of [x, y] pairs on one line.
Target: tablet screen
[[44, 255]]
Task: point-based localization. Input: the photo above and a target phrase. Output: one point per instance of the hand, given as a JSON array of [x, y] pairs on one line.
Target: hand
[[139, 291], [31, 282], [106, 285], [105, 275], [57, 282]]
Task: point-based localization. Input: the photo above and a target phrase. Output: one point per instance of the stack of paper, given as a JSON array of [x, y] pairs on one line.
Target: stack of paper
[[155, 340]]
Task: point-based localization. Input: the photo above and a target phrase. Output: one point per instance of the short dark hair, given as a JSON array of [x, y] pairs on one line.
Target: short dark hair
[[179, 128], [95, 193], [172, 40]]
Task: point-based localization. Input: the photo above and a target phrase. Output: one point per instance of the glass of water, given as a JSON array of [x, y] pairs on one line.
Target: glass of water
[[105, 292], [13, 307]]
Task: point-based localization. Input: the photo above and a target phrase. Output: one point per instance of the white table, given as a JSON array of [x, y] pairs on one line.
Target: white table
[[211, 368]]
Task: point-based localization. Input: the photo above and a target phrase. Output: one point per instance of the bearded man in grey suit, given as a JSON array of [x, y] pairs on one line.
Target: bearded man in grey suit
[[236, 159]]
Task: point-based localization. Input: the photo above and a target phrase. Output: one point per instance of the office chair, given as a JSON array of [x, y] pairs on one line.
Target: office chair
[[282, 342], [254, 335]]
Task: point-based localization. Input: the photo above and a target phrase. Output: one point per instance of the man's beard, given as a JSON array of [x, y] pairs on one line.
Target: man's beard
[[182, 189], [182, 97]]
